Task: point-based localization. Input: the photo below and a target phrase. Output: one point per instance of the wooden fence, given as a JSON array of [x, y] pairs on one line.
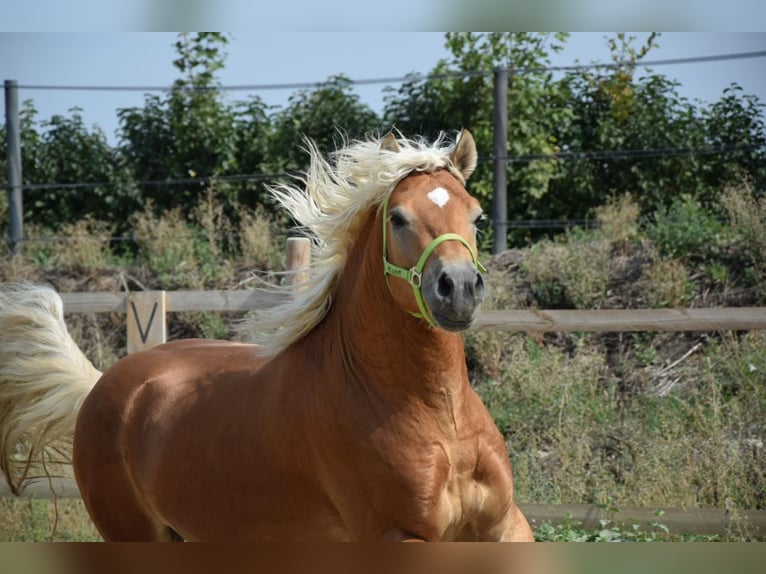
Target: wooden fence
[[146, 310]]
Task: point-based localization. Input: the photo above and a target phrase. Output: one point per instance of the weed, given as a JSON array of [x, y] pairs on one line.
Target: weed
[[84, 246], [166, 245], [747, 217], [572, 272], [570, 530], [619, 221], [575, 436], [666, 283], [257, 243]]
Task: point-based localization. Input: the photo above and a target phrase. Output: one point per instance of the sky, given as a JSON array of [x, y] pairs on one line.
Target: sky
[[144, 59], [406, 15]]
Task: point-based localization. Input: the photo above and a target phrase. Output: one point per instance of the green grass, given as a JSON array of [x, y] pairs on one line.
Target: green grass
[[572, 531]]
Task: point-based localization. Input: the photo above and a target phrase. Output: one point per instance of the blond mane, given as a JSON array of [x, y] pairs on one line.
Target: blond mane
[[329, 206]]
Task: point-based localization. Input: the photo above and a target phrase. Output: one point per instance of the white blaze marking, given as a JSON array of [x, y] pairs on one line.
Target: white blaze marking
[[439, 196]]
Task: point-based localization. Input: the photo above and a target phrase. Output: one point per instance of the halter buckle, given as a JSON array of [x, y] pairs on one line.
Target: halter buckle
[[416, 277]]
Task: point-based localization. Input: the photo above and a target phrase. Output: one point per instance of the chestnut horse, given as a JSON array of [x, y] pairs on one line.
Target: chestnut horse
[[354, 420]]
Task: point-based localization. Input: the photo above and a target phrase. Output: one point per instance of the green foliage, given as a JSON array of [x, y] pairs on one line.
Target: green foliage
[[686, 230], [610, 531], [193, 131], [536, 105], [603, 111], [329, 114], [68, 152]]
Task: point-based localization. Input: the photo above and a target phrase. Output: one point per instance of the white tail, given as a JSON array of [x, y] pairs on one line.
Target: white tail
[[44, 378]]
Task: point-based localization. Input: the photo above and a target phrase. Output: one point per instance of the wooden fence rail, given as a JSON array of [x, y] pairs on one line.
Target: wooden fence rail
[[146, 312]]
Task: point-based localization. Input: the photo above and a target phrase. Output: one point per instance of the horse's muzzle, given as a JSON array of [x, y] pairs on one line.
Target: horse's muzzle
[[453, 292]]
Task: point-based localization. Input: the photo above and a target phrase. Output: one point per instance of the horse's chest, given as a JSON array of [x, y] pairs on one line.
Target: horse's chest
[[474, 495]]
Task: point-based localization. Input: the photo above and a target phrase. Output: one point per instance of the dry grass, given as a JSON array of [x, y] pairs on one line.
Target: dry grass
[[619, 221], [30, 520], [747, 218], [166, 246], [85, 246], [666, 283], [257, 244], [573, 273]]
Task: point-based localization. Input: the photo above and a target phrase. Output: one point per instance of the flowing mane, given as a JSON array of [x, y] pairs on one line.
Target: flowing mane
[[329, 206]]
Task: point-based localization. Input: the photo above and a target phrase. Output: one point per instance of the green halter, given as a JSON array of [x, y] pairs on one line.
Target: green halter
[[414, 275]]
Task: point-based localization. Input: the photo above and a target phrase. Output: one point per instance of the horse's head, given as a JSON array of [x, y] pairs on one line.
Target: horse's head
[[430, 241]]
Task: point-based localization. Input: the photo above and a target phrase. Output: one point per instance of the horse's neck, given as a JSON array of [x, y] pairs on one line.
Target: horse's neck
[[382, 342]]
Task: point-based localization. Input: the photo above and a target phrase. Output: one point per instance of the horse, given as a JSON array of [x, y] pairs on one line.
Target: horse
[[351, 418]]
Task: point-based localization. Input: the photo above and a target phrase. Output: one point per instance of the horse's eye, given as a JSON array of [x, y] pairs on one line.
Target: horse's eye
[[397, 221], [481, 222]]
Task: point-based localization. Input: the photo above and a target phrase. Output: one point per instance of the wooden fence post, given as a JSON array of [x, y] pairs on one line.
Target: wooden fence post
[[147, 326], [298, 259]]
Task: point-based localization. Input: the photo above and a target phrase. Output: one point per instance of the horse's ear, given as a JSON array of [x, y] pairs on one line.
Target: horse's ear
[[389, 143], [464, 156]]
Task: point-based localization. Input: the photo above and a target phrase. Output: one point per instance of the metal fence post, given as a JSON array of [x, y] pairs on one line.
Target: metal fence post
[[13, 147], [500, 162]]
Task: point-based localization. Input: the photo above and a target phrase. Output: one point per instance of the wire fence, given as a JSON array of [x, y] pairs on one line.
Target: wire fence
[[408, 77], [513, 159], [566, 155]]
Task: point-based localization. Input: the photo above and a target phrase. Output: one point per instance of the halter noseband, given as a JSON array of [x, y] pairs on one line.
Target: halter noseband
[[414, 275]]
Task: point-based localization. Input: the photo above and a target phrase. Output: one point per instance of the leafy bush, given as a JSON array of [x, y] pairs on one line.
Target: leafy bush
[[686, 230]]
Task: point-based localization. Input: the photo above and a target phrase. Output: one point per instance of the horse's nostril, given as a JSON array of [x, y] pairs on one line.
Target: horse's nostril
[[479, 285], [445, 285]]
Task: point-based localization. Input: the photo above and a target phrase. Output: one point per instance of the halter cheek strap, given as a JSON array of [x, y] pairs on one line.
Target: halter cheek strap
[[414, 275]]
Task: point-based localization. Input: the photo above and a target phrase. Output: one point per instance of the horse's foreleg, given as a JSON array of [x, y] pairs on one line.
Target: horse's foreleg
[[518, 529]]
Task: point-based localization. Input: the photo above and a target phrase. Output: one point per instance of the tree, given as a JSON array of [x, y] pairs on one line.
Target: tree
[[329, 114], [191, 132], [649, 141], [576, 139], [459, 94], [78, 171]]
